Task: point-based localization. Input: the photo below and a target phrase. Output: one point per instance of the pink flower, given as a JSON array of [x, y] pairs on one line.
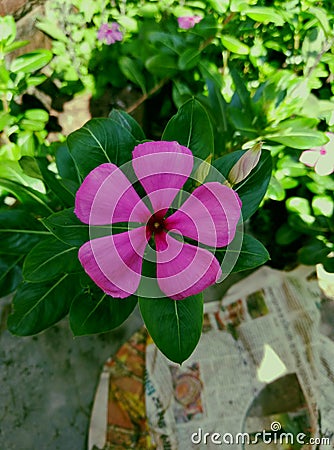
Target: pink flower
[[110, 33], [187, 22], [209, 215], [321, 158]]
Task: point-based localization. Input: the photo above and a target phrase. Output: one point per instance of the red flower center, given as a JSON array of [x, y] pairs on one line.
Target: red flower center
[[156, 223]]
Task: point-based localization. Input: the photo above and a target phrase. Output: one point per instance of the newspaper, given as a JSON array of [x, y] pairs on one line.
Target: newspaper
[[261, 361], [261, 365]]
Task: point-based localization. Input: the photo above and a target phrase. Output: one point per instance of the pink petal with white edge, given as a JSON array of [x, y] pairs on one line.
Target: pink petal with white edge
[[160, 166], [209, 215], [184, 270], [106, 196], [114, 262]]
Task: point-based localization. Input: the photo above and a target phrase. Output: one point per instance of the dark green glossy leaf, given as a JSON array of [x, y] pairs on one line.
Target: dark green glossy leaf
[[65, 165], [27, 196], [192, 128], [251, 190], [67, 227], [55, 185], [37, 306], [50, 259], [252, 254], [10, 274], [174, 325], [19, 232], [100, 141], [128, 122], [90, 314]]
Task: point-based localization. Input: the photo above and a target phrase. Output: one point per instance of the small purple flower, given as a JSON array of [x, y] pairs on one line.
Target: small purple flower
[[321, 158], [110, 33], [187, 22]]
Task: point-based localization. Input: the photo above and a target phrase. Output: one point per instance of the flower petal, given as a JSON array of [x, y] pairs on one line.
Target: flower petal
[[209, 215], [106, 196], [184, 269], [325, 165], [310, 157], [162, 168], [114, 262]]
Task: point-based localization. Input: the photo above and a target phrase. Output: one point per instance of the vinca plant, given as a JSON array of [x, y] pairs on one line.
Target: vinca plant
[[126, 221]]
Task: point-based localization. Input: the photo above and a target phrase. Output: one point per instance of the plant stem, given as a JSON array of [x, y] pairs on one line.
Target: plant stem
[[142, 99]]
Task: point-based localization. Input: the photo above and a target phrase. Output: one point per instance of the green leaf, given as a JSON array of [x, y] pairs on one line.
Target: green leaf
[[66, 166], [189, 59], [50, 259], [10, 274], [275, 190], [100, 141], [55, 185], [174, 325], [264, 14], [19, 232], [99, 313], [52, 30], [313, 253], [220, 6], [128, 122], [37, 306], [30, 167], [133, 71], [285, 235], [251, 190], [67, 227], [27, 196], [30, 62], [15, 46], [252, 253], [162, 65], [297, 138], [7, 29], [192, 128], [234, 45]]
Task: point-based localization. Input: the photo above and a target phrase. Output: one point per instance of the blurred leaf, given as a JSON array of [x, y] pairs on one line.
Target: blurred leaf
[[30, 167], [298, 205], [301, 139], [189, 59], [313, 253], [30, 62], [52, 29], [91, 314], [275, 190], [133, 71], [285, 235], [55, 185], [323, 205], [7, 30], [174, 325], [15, 46], [264, 14], [162, 65], [234, 45]]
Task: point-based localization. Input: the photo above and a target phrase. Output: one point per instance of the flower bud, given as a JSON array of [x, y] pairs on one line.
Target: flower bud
[[245, 164]]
